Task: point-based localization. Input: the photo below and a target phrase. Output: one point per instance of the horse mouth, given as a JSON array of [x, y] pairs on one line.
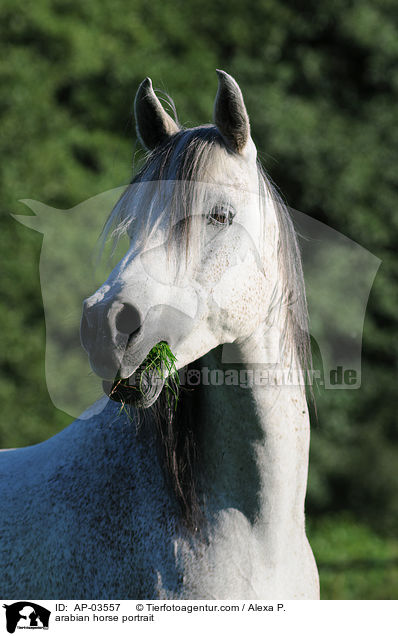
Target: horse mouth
[[143, 387]]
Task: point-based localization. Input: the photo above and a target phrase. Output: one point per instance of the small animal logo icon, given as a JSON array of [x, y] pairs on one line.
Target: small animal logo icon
[[26, 614]]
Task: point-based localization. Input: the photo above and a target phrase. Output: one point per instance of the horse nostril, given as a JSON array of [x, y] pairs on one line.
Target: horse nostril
[[128, 320]]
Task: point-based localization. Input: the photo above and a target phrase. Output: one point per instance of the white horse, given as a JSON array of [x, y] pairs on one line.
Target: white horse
[[200, 497]]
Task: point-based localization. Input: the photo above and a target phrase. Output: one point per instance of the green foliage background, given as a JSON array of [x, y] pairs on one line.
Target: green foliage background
[[321, 84]]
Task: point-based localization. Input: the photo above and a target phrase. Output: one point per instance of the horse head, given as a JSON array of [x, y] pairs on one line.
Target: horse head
[[202, 266]]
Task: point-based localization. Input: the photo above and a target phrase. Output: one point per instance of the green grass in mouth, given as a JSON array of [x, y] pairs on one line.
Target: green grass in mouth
[[162, 362]]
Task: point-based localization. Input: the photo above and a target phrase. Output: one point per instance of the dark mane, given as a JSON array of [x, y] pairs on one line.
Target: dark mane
[[176, 428]]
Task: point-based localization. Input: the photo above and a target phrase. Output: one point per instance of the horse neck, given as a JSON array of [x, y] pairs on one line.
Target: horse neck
[[253, 445]]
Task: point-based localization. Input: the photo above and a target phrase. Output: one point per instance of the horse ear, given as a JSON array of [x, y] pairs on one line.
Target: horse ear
[[230, 115], [154, 125]]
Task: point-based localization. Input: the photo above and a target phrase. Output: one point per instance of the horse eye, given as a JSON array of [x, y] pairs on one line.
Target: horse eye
[[221, 215]]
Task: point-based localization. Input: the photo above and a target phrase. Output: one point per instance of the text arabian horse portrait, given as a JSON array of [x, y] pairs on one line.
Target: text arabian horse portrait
[[194, 492]]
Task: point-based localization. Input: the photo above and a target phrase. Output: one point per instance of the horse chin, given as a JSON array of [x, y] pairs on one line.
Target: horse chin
[[141, 393]]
